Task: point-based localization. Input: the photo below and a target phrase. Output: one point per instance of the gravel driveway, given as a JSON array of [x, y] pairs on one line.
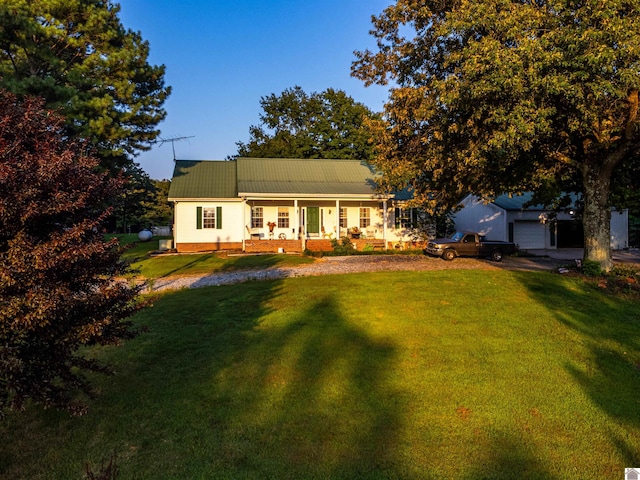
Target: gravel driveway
[[354, 264]]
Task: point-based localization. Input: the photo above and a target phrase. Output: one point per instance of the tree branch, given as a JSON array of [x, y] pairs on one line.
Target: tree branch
[[632, 98]]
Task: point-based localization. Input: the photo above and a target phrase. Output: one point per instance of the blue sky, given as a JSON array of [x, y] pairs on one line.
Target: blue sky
[[221, 57]]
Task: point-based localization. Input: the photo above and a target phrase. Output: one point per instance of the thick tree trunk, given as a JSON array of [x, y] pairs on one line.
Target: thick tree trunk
[[597, 215]]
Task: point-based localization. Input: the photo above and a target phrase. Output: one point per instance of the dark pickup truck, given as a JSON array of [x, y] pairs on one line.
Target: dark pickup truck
[[469, 244]]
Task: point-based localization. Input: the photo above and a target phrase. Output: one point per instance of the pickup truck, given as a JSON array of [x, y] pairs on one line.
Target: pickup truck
[[468, 244]]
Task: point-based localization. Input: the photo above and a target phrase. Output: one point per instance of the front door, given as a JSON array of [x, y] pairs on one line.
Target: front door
[[313, 220]]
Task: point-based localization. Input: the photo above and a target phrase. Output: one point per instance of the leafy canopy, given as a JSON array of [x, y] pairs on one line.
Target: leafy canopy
[[58, 287], [503, 96], [320, 125], [78, 56]]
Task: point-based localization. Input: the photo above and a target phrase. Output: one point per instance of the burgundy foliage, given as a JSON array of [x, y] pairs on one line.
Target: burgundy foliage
[[58, 276]]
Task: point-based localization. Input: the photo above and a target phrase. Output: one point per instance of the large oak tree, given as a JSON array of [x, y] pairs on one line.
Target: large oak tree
[[295, 124], [58, 276], [503, 96], [78, 56]]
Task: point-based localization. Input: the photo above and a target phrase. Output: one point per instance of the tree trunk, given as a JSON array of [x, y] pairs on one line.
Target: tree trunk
[[597, 215]]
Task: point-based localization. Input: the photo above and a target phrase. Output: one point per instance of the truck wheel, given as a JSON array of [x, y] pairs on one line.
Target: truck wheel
[[496, 255], [448, 255]]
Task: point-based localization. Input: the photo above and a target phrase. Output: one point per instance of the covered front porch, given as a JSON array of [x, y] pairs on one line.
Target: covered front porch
[[296, 224], [314, 245]]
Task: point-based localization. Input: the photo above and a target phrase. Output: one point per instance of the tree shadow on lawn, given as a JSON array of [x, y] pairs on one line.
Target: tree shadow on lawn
[[220, 264], [223, 386], [198, 260], [606, 336], [292, 397], [316, 392], [508, 458]]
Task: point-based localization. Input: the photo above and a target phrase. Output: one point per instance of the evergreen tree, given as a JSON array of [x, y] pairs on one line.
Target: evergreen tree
[[78, 57]]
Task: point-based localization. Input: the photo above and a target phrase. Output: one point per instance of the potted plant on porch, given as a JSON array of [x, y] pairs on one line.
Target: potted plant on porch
[[271, 226], [355, 232]]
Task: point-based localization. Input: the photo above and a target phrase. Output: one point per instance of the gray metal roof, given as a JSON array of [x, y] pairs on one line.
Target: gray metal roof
[[519, 202], [516, 202]]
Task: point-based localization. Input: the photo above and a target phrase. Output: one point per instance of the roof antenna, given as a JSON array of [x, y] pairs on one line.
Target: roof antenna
[[162, 141]]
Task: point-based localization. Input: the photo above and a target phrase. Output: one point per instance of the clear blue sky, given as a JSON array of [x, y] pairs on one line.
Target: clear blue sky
[[221, 57]]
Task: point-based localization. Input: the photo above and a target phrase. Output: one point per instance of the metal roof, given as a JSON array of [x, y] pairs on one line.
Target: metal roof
[[280, 176], [516, 202], [519, 202], [271, 177], [203, 179]]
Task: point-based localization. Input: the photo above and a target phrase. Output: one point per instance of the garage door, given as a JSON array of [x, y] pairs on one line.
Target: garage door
[[529, 235]]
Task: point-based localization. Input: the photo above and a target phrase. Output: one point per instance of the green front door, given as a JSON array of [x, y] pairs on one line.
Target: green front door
[[313, 220]]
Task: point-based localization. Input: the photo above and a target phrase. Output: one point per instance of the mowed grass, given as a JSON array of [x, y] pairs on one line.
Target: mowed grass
[[166, 265], [410, 375]]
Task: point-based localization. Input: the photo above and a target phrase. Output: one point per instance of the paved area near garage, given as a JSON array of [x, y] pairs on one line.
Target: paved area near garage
[[623, 256]]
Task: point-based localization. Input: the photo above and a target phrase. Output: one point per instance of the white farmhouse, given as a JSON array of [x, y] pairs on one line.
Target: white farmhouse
[[280, 204]]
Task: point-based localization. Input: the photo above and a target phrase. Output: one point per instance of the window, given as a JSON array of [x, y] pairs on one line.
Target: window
[[283, 217], [365, 217], [343, 217], [406, 217], [257, 217], [208, 217]]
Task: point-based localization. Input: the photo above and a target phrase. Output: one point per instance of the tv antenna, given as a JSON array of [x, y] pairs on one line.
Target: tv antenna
[[162, 141]]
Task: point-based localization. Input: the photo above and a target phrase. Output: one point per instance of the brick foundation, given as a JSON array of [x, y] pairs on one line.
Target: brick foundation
[[319, 245], [273, 246], [207, 247]]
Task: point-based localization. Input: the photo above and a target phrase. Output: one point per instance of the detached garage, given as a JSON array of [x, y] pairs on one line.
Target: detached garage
[[533, 234], [507, 218]]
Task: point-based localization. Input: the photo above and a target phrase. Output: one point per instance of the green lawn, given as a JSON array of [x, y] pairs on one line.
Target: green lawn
[[409, 375], [151, 267]]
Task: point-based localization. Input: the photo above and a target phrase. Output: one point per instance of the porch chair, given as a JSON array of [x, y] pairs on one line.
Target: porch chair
[[254, 233], [370, 232]]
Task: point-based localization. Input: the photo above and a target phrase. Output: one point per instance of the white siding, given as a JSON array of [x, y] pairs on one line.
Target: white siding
[[186, 231], [485, 218], [619, 229]]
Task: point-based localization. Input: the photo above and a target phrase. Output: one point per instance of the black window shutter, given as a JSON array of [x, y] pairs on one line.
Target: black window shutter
[[218, 218], [199, 218]]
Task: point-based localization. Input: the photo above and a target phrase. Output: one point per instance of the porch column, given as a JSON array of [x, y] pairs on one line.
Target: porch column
[[337, 219], [296, 223], [384, 223], [244, 222]]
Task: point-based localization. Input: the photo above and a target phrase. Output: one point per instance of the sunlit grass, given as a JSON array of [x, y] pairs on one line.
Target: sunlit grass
[[449, 374], [208, 263], [138, 254]]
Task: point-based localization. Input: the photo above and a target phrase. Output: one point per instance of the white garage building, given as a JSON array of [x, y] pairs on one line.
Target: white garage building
[[530, 227]]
